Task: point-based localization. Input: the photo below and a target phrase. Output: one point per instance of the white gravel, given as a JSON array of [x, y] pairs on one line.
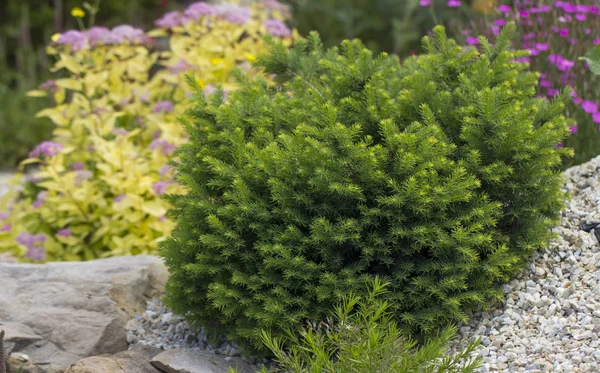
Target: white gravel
[[549, 321]]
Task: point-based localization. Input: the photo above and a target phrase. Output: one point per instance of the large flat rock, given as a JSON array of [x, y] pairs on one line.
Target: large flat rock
[[196, 361], [136, 360], [59, 313]]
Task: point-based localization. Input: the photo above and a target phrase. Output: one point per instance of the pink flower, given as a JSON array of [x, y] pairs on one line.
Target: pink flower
[[33, 242], [233, 13], [573, 128], [180, 67], [126, 33], [577, 100], [596, 117], [166, 147], [64, 233], [454, 3], [276, 5], [160, 187], [541, 46], [277, 28], [77, 166], [4, 216], [119, 198], [589, 107], [171, 19], [163, 107], [196, 10], [524, 14], [46, 149], [471, 40], [545, 83], [40, 199], [82, 176], [499, 22], [49, 85], [424, 2], [76, 39], [564, 32], [164, 170], [504, 8], [580, 17], [6, 228], [120, 132], [100, 35]]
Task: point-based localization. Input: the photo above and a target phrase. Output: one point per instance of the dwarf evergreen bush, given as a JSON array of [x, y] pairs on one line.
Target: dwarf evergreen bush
[[440, 176]]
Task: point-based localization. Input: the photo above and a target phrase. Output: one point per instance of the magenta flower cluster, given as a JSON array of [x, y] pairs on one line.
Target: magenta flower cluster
[[79, 40], [34, 244], [46, 149], [555, 34]]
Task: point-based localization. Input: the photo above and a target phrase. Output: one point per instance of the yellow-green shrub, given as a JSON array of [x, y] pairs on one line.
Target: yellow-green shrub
[[98, 185]]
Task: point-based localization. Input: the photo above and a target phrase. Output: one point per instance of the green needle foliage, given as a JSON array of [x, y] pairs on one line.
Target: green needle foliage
[[440, 176], [364, 338]]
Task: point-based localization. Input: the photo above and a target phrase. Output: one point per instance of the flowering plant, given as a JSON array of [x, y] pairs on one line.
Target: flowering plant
[[98, 188], [555, 34]]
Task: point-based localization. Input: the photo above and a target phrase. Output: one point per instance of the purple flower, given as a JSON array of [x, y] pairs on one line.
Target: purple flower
[[126, 33], [33, 242], [40, 199], [164, 170], [196, 10], [36, 253], [6, 228], [64, 233], [524, 14], [580, 17], [424, 2], [596, 117], [577, 100], [163, 107], [504, 9], [564, 32], [49, 85], [166, 147], [120, 132], [573, 128], [552, 92], [277, 28], [78, 166], [119, 198], [82, 176], [76, 39], [589, 107], [4, 216], [541, 46], [545, 83], [499, 22], [100, 35], [180, 67], [160, 187], [471, 40], [46, 149], [454, 3], [233, 13], [276, 5], [171, 19]]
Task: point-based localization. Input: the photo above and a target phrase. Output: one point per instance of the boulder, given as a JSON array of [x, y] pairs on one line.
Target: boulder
[[59, 313], [198, 361], [136, 360]]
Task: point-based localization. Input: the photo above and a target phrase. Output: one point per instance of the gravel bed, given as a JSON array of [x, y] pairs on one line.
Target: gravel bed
[[548, 322]]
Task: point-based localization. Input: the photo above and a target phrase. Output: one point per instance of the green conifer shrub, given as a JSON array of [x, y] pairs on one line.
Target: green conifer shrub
[[362, 336], [440, 176]]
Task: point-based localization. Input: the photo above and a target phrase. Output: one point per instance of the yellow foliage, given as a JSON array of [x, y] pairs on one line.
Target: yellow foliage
[[99, 185]]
